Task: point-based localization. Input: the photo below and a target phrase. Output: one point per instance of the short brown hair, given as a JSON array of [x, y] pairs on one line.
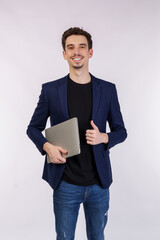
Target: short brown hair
[[76, 31]]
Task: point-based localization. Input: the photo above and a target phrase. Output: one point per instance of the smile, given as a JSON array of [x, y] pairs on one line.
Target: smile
[[77, 59]]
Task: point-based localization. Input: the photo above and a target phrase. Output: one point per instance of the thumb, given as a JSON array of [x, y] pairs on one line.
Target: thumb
[[93, 125]]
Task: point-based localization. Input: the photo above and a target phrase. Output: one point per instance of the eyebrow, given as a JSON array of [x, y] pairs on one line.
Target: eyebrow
[[81, 44]]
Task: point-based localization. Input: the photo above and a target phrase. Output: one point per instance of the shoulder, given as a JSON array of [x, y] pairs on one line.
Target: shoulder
[[103, 83], [54, 83]]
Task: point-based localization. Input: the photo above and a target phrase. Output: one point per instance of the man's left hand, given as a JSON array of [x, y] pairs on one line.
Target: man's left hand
[[94, 136]]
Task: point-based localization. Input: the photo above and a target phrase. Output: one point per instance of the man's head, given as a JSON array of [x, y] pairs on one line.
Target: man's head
[[77, 47], [76, 31]]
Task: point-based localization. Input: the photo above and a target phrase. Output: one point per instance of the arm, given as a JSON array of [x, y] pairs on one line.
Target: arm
[[38, 122], [118, 132], [37, 125]]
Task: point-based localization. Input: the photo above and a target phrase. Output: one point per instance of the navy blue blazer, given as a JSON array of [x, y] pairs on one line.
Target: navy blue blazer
[[53, 103]]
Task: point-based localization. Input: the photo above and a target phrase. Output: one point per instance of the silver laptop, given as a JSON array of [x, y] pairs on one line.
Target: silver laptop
[[65, 135]]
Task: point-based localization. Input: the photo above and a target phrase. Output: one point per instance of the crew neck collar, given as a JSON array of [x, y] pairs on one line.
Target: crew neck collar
[[73, 82]]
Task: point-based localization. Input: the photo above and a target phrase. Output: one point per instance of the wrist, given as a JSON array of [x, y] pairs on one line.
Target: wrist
[[105, 138], [46, 146]]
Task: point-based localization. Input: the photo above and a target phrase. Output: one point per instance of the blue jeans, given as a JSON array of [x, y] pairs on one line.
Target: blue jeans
[[67, 199]]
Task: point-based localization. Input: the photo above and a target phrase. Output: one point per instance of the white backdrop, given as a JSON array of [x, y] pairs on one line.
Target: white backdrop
[[126, 52]]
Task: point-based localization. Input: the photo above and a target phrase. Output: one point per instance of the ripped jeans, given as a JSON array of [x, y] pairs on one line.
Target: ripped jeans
[[66, 201]]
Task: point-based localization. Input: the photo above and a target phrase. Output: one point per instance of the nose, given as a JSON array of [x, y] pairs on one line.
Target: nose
[[76, 51]]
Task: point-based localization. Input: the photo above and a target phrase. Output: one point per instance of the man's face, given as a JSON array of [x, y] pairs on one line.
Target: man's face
[[76, 51]]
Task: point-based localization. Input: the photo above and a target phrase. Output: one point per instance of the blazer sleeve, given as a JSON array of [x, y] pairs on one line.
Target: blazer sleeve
[[117, 132], [38, 122]]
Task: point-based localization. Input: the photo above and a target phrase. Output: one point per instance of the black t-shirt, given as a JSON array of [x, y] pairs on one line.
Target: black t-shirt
[[81, 169]]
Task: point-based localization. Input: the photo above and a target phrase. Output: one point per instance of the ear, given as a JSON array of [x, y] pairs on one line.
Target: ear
[[90, 53], [64, 55]]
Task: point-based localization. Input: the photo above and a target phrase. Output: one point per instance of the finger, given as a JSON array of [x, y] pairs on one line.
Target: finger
[[90, 142], [59, 162], [90, 138], [61, 158], [93, 125], [90, 134], [56, 161], [90, 131], [63, 150]]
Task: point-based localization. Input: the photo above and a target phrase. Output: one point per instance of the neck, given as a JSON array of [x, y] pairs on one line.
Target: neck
[[80, 76]]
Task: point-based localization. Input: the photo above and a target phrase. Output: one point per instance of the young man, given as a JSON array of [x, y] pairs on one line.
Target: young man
[[84, 178]]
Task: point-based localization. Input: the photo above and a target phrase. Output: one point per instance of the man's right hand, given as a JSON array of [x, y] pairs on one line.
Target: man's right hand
[[55, 153]]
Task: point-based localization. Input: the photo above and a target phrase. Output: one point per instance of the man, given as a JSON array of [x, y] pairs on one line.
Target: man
[[84, 178]]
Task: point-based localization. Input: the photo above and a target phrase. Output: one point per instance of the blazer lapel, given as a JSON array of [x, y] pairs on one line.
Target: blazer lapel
[[63, 97], [96, 93]]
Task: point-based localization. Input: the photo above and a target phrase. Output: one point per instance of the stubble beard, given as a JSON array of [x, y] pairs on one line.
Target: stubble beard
[[77, 67]]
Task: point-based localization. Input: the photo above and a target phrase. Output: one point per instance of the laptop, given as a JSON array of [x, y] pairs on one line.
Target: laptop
[[65, 135]]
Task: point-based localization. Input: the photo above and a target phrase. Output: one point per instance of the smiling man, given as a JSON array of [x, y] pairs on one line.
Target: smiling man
[[77, 52], [84, 178]]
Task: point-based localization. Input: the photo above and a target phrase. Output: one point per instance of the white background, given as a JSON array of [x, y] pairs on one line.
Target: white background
[[126, 52]]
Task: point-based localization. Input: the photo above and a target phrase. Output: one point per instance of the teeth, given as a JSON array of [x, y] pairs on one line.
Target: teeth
[[76, 58]]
